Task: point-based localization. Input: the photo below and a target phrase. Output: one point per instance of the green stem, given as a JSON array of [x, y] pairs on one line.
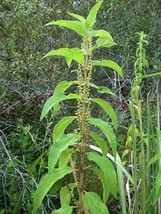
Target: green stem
[[134, 172], [143, 171]]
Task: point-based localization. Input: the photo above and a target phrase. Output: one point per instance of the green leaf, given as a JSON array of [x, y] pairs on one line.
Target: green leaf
[[76, 26], [55, 100], [63, 86], [63, 210], [107, 108], [90, 20], [102, 33], [46, 183], [64, 157], [65, 194], [69, 53], [80, 18], [102, 89], [93, 202], [116, 160], [59, 146], [61, 126], [109, 64], [157, 187], [154, 159], [104, 183], [121, 185], [101, 143], [108, 169], [32, 168], [103, 42], [107, 130]]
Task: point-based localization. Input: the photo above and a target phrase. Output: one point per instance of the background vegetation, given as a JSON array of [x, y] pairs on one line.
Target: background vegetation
[[27, 80]]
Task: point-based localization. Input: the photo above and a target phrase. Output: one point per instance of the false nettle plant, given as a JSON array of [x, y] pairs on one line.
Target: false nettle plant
[[75, 153]]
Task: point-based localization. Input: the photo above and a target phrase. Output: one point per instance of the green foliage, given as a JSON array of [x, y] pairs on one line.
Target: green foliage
[[93, 202], [109, 64], [59, 146], [69, 53], [107, 131], [110, 179], [74, 148], [47, 182], [26, 81]]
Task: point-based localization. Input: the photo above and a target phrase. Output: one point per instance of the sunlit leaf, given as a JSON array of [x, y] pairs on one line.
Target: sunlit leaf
[[64, 85], [62, 125], [92, 15], [59, 146], [107, 108], [102, 89], [102, 33], [69, 53], [107, 130], [76, 26], [116, 160], [63, 210], [103, 42], [46, 183], [93, 202], [108, 169], [80, 18], [100, 142], [109, 64], [55, 100], [64, 157], [65, 194]]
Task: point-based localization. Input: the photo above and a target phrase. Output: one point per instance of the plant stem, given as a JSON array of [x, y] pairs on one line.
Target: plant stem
[[83, 113]]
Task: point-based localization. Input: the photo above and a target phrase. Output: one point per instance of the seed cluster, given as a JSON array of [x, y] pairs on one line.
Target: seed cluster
[[83, 113]]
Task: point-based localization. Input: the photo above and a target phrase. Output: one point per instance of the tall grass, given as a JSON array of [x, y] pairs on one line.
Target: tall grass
[[146, 138]]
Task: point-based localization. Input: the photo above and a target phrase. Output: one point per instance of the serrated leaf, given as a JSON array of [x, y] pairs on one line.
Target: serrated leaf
[[93, 202], [64, 157], [104, 181], [63, 86], [102, 33], [154, 159], [46, 183], [107, 108], [116, 160], [100, 142], [65, 194], [102, 89], [61, 126], [76, 26], [107, 130], [91, 18], [55, 100], [103, 42], [108, 169], [105, 90], [63, 210], [69, 53], [80, 18], [109, 64], [59, 146]]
